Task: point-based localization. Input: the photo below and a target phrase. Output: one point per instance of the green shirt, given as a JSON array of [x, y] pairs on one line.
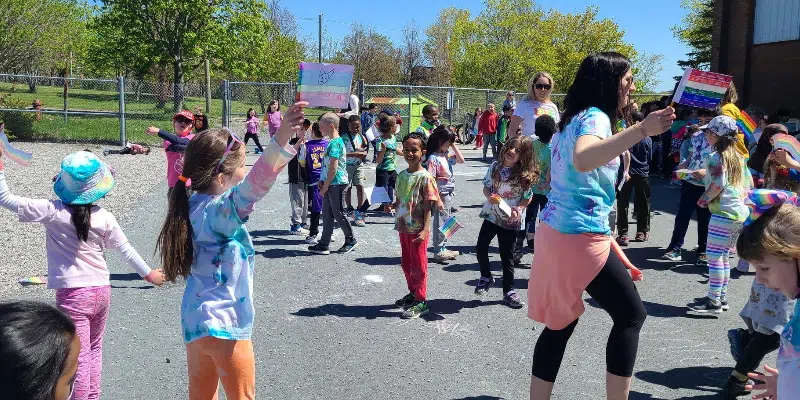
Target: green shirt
[[336, 150], [389, 162], [502, 129]]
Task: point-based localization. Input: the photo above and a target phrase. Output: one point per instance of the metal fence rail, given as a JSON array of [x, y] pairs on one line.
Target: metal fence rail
[[120, 109]]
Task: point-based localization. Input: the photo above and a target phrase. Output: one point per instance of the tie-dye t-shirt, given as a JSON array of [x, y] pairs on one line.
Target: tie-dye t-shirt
[[729, 203], [335, 150], [389, 162], [413, 189], [579, 202], [700, 150], [543, 153], [789, 357], [218, 299], [440, 165], [511, 192]]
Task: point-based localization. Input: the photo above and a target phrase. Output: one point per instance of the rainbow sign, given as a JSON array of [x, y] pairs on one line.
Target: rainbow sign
[[325, 85], [701, 88], [18, 156], [450, 226], [787, 142]]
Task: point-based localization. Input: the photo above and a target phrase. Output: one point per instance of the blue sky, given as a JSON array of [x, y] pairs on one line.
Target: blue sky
[[646, 24]]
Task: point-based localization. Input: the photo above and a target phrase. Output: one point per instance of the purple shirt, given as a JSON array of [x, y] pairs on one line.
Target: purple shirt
[[313, 152]]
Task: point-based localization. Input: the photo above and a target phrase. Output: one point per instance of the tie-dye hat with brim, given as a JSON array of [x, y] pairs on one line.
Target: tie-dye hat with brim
[[83, 179]]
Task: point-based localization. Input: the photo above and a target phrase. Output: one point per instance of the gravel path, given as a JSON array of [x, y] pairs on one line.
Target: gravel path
[[23, 249]]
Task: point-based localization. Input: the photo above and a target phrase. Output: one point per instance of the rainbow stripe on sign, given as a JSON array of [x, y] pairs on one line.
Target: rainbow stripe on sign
[[787, 142], [747, 125], [18, 156], [450, 226], [701, 88], [325, 85]]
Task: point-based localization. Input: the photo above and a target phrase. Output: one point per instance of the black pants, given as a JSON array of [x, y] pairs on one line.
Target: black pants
[[613, 289], [333, 211], [757, 348], [505, 242], [386, 179], [538, 202], [313, 229], [688, 204], [641, 185], [255, 139]]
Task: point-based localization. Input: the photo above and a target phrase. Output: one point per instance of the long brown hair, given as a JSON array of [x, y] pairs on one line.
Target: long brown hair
[[731, 160], [82, 219], [525, 171], [175, 242]]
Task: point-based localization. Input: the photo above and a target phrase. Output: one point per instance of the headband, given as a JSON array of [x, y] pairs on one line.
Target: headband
[[761, 200]]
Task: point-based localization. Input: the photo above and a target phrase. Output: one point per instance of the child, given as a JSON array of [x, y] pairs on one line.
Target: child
[[307, 130], [545, 129], [273, 117], [311, 156], [770, 241], [39, 348], [440, 161], [638, 181], [357, 147], [298, 201], [727, 181], [78, 232], [416, 197], [385, 171], [200, 120], [130, 148], [502, 124], [175, 145], [205, 241], [251, 129], [333, 184], [508, 182]]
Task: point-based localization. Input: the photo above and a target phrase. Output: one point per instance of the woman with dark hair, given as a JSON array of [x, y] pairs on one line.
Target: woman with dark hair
[[584, 166], [39, 349]]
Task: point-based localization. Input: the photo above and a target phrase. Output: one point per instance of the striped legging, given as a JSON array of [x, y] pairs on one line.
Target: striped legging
[[722, 235]]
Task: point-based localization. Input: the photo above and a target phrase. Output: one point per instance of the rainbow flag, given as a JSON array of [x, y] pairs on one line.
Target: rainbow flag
[[325, 85], [747, 126], [18, 156], [34, 280], [701, 88], [787, 142], [450, 226]]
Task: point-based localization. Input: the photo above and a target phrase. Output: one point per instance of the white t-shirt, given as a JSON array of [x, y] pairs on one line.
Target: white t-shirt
[[528, 110]]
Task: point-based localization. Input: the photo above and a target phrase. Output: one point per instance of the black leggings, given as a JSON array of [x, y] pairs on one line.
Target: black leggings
[[505, 242], [386, 179], [253, 136], [757, 348], [614, 290]]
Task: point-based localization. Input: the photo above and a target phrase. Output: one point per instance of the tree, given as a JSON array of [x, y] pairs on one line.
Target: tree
[[439, 45], [371, 54], [411, 55], [646, 68], [696, 31]]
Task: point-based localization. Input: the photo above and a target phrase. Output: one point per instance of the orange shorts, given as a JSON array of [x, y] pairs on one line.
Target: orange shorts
[[211, 360]]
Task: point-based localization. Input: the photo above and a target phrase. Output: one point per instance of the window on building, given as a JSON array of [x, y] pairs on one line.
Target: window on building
[[776, 21]]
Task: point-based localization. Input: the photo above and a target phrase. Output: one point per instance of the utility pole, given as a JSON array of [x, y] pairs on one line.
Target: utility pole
[[319, 58], [208, 86]]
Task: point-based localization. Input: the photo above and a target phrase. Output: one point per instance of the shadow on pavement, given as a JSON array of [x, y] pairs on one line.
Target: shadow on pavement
[[480, 398], [661, 310], [438, 308], [701, 379], [130, 276], [393, 261], [519, 283]]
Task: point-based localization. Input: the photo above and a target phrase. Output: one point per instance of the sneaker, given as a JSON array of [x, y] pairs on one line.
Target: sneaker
[[483, 286], [298, 230], [319, 249], [258, 151], [706, 305], [723, 303], [105, 152], [702, 260], [419, 309], [348, 246], [513, 300], [360, 219], [312, 239], [673, 255], [738, 339], [733, 388], [622, 240], [445, 255], [304, 226], [406, 302], [641, 237]]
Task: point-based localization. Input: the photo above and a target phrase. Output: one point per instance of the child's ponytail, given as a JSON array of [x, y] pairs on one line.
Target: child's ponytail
[[201, 165], [82, 219]]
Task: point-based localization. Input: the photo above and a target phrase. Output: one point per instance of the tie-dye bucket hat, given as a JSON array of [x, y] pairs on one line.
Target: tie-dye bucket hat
[[83, 179]]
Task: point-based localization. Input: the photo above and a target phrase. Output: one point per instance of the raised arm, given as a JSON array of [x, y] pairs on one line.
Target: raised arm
[[7, 200], [457, 153]]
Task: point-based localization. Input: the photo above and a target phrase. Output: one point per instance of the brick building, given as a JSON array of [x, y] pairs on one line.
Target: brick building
[[758, 42]]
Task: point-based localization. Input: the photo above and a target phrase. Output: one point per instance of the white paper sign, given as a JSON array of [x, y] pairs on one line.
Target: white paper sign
[[377, 195], [504, 207]]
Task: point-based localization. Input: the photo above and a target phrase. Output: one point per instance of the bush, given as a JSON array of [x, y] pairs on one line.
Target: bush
[[18, 124]]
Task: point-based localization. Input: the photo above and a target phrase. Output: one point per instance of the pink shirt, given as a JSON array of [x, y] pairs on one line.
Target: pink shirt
[[175, 164], [274, 120], [71, 262]]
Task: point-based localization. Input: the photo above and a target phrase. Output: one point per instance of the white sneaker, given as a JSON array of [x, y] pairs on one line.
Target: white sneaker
[[312, 239]]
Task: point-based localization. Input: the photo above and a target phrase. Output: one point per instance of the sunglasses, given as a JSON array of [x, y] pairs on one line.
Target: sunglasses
[[542, 86], [183, 120], [231, 141]]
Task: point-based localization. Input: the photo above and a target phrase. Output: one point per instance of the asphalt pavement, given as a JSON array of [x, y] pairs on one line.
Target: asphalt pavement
[[326, 326]]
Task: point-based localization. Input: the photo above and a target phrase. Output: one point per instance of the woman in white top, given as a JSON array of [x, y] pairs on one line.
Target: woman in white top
[[536, 103]]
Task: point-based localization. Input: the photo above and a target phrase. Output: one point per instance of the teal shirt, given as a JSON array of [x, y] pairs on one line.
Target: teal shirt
[[389, 162], [542, 151], [335, 150]]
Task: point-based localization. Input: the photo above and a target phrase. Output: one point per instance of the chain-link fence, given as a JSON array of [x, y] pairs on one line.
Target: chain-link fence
[[119, 110]]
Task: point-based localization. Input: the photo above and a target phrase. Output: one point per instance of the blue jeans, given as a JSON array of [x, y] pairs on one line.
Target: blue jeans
[[689, 195], [490, 138]]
